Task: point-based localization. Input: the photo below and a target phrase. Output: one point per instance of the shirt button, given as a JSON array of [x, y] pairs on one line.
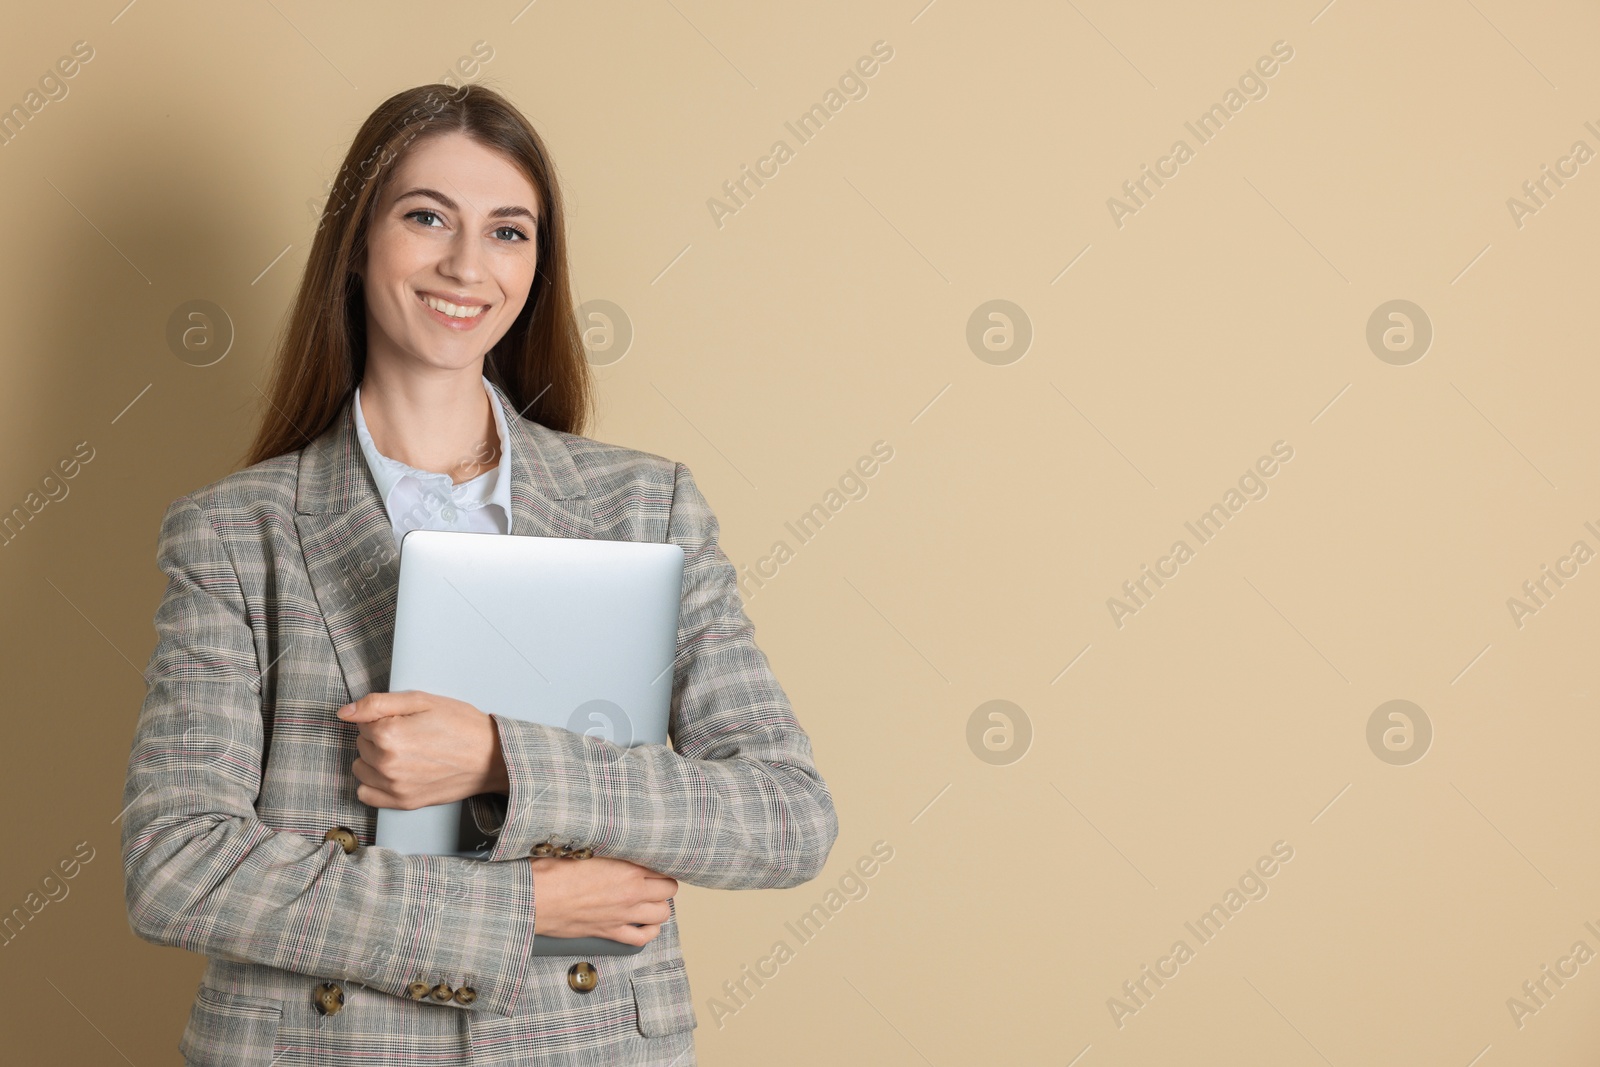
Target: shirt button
[[448, 514]]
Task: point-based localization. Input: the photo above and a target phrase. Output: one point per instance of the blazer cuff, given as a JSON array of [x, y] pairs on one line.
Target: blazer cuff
[[479, 924], [551, 798], [488, 811]]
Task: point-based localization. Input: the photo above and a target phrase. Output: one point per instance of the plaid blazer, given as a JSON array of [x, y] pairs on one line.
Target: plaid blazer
[[279, 608]]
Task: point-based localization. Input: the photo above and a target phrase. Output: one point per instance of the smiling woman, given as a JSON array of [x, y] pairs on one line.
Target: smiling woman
[[442, 281], [465, 185], [432, 377]]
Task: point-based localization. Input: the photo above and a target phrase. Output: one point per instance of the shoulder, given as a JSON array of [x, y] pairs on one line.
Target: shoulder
[[602, 465], [248, 501], [603, 471], [627, 486]]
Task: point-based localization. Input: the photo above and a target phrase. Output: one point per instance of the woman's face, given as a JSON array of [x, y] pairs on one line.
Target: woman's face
[[456, 226]]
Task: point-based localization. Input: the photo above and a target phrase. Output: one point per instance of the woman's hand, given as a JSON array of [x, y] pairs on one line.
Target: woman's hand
[[419, 749], [599, 897]]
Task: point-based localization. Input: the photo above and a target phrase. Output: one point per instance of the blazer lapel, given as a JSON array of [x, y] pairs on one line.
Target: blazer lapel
[[348, 542]]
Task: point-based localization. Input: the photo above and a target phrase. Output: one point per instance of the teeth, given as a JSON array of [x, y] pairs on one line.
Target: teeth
[[455, 311]]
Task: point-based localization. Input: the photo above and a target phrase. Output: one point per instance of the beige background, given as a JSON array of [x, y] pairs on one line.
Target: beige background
[[831, 312]]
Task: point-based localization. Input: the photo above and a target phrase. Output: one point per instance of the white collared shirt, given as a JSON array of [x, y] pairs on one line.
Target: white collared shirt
[[428, 500]]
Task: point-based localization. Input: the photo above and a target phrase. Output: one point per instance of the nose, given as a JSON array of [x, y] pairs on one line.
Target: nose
[[463, 258]]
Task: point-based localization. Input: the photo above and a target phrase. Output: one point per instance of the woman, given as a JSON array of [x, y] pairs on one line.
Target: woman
[[437, 283]]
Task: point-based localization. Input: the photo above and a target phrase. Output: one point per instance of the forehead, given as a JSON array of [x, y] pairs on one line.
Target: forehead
[[461, 167]]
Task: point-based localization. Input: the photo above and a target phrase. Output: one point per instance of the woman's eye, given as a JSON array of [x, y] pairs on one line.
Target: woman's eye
[[507, 233]]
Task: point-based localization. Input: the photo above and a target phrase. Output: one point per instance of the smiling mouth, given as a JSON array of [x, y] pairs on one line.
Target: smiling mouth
[[455, 311]]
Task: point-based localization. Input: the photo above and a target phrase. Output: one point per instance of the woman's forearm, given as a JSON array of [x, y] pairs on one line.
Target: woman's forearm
[[759, 819]]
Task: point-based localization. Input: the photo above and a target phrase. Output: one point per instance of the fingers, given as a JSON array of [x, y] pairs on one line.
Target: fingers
[[378, 790], [635, 935], [370, 777], [652, 886], [382, 705], [599, 897], [660, 887], [374, 797], [650, 914], [656, 883]]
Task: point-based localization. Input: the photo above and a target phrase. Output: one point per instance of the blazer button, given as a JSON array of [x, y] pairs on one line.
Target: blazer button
[[329, 999], [466, 995], [542, 849], [563, 852], [583, 977], [581, 853], [442, 992], [418, 990], [344, 836]]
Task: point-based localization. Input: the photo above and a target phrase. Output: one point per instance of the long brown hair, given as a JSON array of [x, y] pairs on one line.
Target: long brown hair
[[539, 364]]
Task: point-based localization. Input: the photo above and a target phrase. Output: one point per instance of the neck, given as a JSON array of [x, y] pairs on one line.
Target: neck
[[439, 422]]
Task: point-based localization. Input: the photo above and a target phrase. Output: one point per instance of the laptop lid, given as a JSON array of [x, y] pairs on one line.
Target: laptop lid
[[569, 632]]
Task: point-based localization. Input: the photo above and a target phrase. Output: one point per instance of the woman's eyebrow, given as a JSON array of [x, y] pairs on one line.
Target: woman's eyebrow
[[512, 211]]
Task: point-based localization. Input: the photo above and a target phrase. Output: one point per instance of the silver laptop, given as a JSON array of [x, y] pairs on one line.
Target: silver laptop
[[570, 632]]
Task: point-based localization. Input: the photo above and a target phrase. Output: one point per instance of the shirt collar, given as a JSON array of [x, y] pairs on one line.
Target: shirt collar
[[387, 472]]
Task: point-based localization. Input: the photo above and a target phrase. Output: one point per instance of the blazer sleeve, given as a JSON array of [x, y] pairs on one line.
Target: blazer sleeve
[[205, 874], [738, 805]]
